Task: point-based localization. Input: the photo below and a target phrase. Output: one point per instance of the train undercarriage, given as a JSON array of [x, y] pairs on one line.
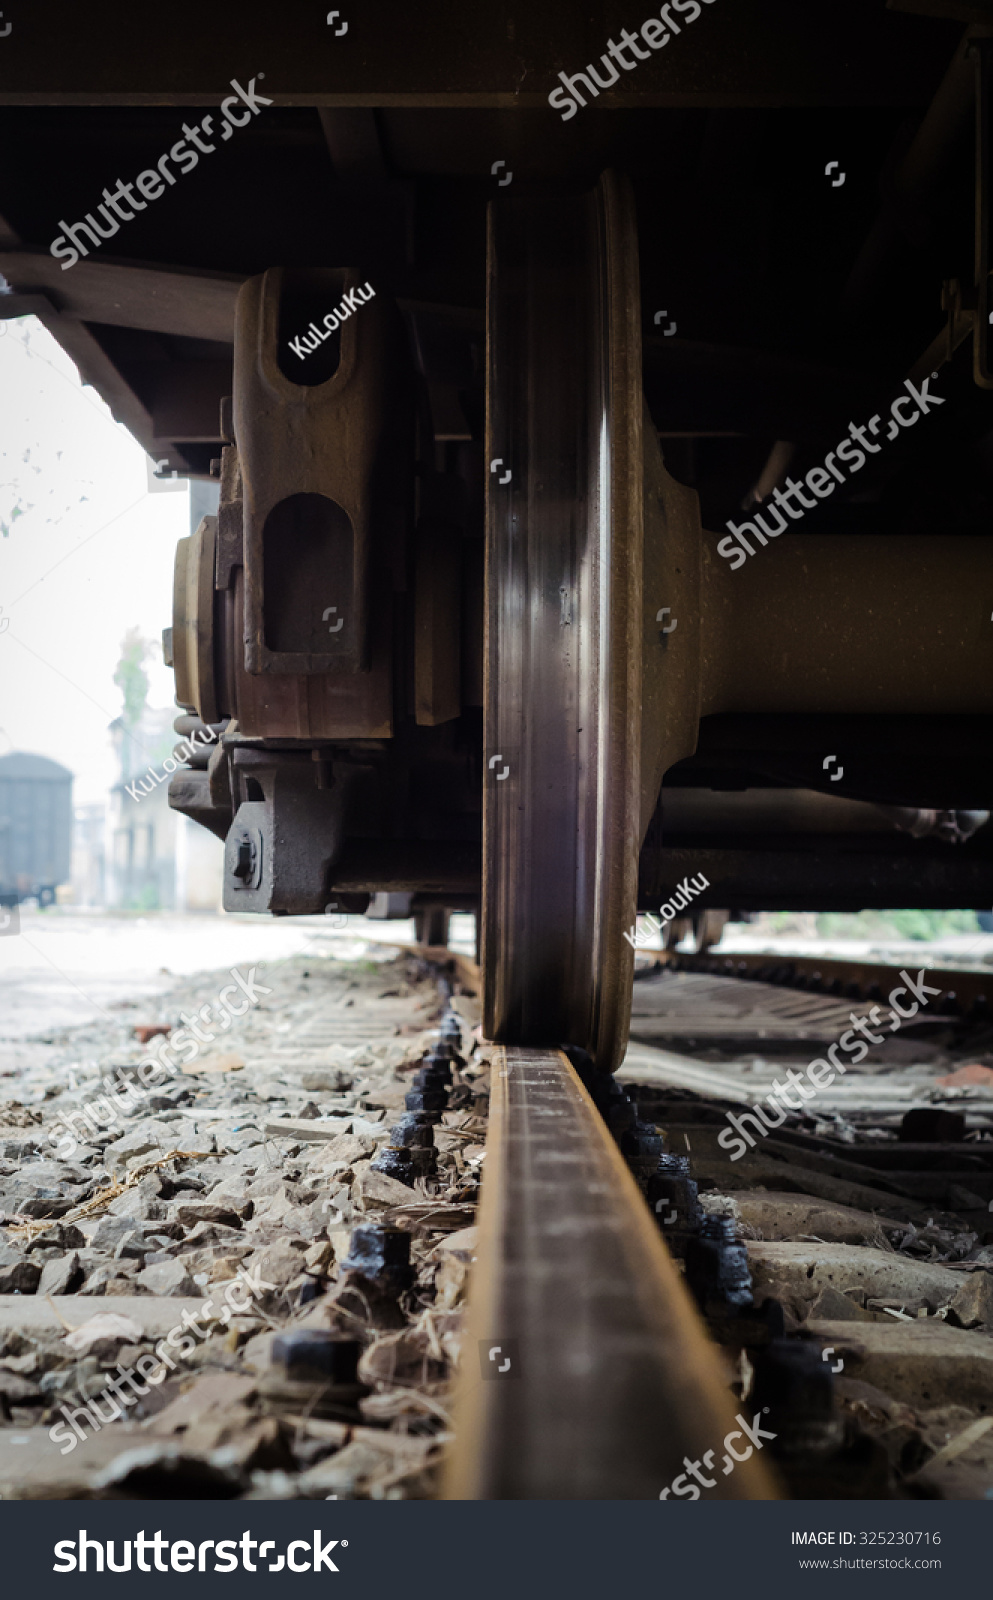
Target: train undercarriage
[[604, 505]]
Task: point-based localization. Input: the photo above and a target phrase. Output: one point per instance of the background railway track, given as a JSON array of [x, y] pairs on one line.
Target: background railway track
[[965, 990]]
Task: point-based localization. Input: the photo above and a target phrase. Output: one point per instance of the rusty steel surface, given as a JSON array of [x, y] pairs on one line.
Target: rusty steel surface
[[612, 1379], [323, 451], [861, 640]]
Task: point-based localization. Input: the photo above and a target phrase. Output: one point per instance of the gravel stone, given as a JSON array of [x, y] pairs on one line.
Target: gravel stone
[[167, 1278], [18, 1274], [62, 1275]]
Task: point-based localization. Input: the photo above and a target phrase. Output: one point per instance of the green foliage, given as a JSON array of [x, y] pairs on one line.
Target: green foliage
[[5, 527], [147, 898], [131, 677], [895, 924], [782, 921]]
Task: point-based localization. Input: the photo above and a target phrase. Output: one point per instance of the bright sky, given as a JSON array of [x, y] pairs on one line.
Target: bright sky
[[89, 555]]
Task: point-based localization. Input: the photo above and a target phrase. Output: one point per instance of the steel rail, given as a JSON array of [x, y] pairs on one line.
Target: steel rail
[[612, 1381], [967, 984]]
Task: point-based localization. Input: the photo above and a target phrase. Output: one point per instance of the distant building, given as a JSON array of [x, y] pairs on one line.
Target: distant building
[[35, 827], [89, 855], [156, 858]]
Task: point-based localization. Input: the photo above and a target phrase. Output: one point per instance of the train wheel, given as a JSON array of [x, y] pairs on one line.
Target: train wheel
[[565, 538]]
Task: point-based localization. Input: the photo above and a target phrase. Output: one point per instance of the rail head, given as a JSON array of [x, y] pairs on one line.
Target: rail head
[[604, 1384]]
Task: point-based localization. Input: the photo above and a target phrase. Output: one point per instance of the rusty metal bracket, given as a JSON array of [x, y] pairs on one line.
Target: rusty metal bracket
[[321, 439]]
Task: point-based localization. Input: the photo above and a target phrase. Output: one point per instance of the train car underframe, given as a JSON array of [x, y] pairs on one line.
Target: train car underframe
[[467, 625], [333, 624]]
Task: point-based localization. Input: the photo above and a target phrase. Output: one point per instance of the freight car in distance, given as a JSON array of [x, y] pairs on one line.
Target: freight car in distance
[[35, 827]]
